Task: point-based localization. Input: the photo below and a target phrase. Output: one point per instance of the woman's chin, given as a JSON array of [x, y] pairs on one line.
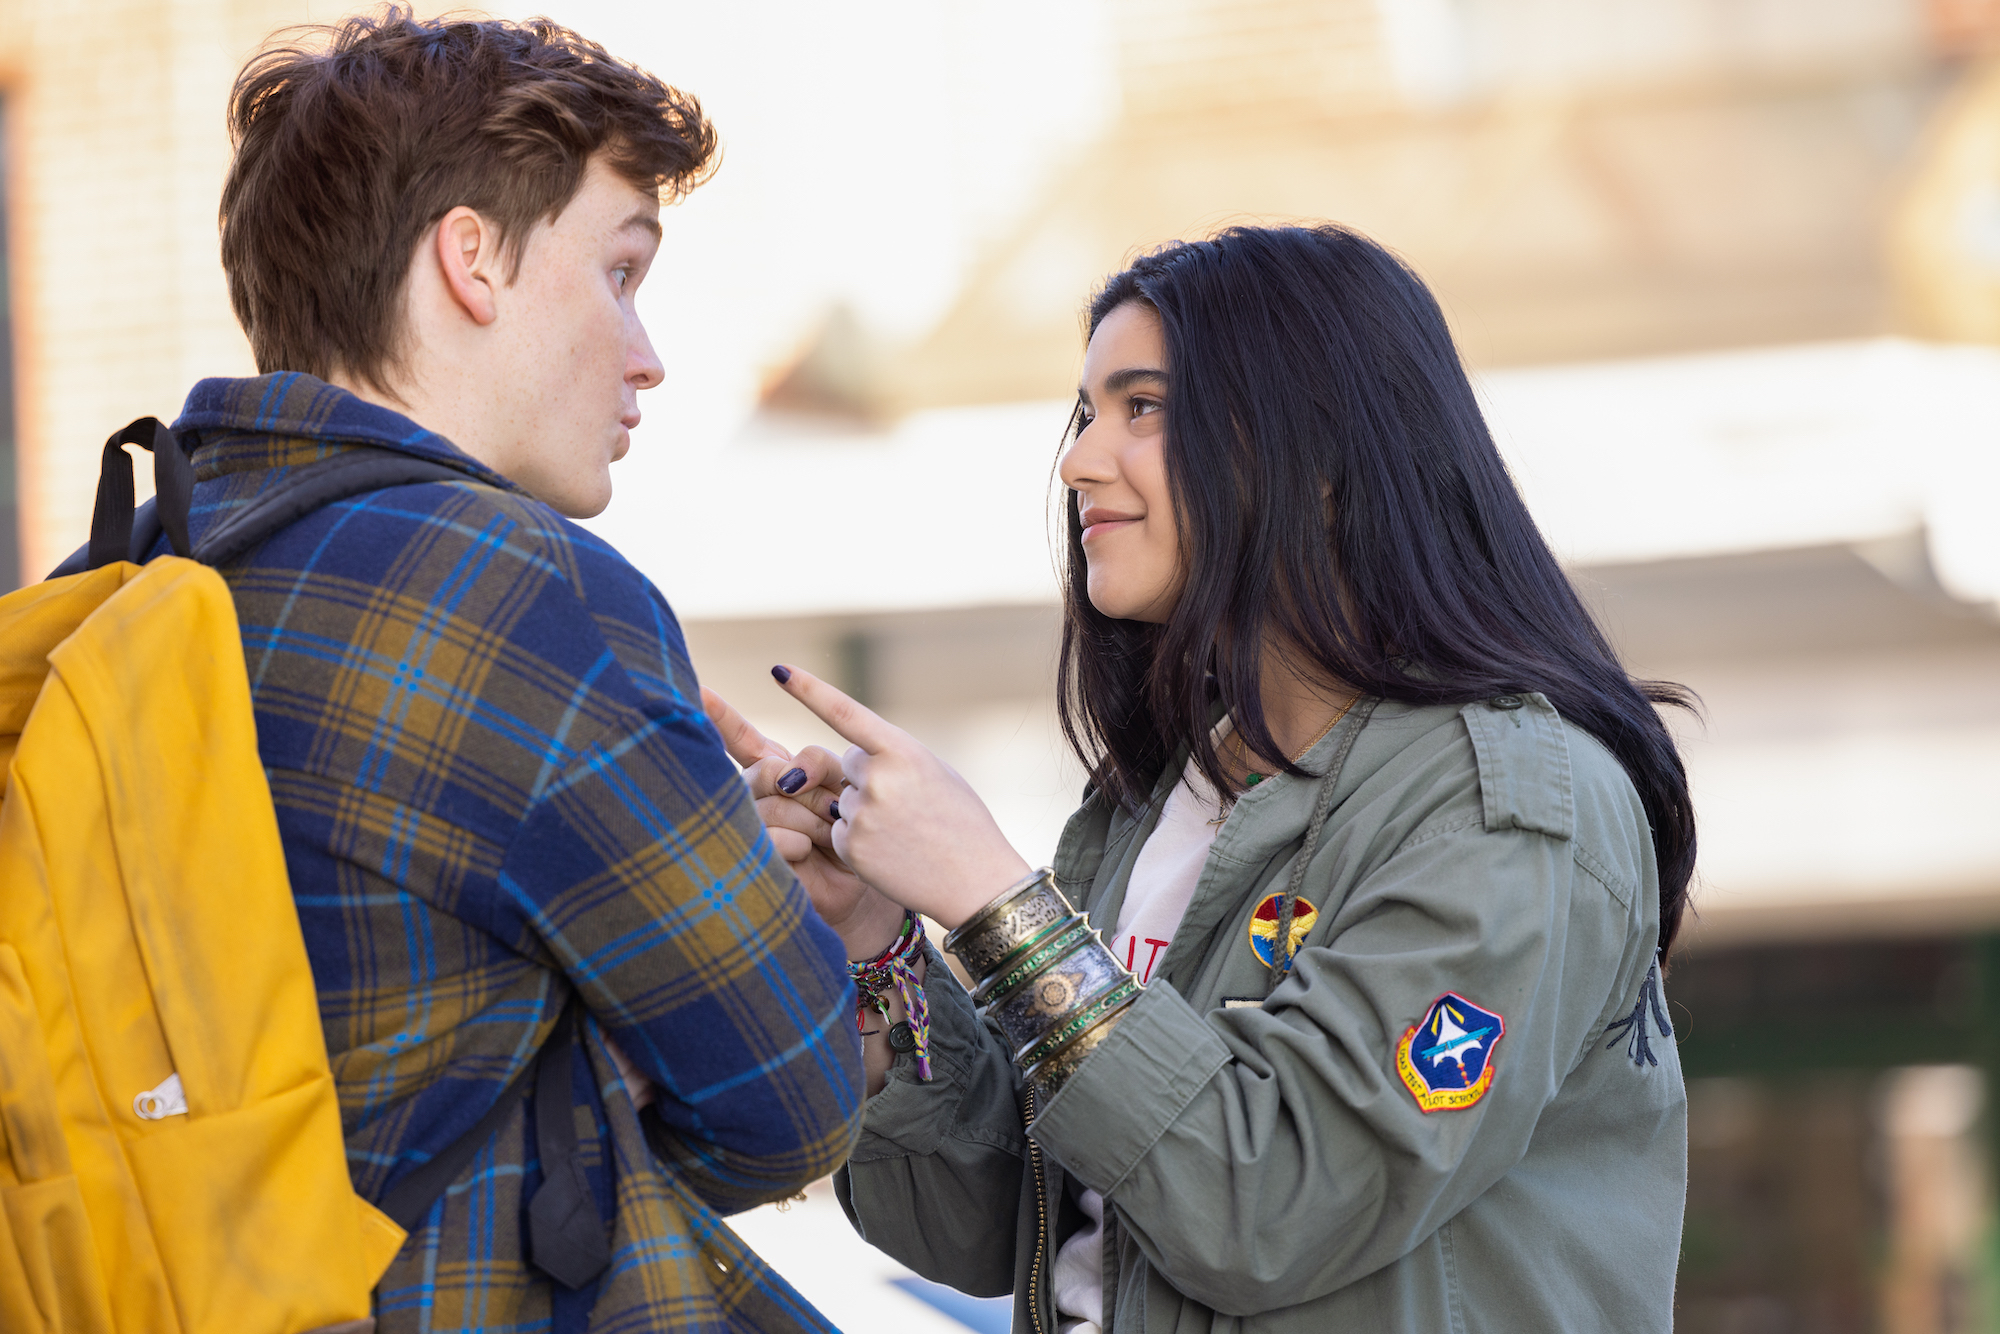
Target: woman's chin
[[1123, 605], [1108, 603]]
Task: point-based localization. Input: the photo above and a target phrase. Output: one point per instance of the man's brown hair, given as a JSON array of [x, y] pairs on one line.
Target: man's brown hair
[[350, 147]]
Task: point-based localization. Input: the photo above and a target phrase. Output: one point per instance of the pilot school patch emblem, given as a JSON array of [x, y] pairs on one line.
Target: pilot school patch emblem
[[1264, 926], [1446, 1058]]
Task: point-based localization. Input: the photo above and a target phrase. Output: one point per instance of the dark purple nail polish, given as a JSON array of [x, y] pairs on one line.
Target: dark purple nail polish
[[783, 674], [833, 810], [792, 782]]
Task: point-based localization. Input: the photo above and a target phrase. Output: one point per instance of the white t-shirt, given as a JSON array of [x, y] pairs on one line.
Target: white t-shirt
[[1156, 898]]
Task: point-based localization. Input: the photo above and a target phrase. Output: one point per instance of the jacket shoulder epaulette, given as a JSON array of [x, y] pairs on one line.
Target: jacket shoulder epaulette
[[1524, 768]]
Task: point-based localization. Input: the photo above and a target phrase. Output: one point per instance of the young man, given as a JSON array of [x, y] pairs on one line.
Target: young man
[[494, 779]]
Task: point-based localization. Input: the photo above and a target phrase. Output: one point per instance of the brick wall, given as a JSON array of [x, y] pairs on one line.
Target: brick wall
[[117, 151]]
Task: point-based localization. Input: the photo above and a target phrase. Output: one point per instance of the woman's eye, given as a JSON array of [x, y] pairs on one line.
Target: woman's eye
[[623, 276], [1143, 406]]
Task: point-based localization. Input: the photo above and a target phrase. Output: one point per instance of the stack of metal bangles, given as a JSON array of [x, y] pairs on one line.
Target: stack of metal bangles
[[1043, 975]]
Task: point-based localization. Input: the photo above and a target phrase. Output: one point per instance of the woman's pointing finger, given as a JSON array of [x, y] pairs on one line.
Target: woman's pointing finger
[[853, 721]]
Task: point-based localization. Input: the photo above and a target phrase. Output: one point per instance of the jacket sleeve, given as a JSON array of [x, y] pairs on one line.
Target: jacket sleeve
[[936, 1180], [642, 872], [1314, 1164]]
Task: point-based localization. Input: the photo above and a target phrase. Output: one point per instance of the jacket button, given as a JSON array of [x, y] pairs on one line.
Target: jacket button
[[1507, 701]]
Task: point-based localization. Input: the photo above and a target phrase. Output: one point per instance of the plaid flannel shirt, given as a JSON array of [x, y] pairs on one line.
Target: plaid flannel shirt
[[497, 788]]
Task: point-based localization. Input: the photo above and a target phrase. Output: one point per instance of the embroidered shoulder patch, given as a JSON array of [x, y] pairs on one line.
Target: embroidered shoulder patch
[[1446, 1058], [1264, 925]]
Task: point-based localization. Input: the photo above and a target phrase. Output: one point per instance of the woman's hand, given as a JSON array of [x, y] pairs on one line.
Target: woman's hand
[[907, 823], [795, 796]]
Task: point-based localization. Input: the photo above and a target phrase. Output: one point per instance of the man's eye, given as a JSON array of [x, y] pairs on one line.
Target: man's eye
[[623, 276]]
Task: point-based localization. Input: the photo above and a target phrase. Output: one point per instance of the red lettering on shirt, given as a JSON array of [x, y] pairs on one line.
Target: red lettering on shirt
[[1132, 950]]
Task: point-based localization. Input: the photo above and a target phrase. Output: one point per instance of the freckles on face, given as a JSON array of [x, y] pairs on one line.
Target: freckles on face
[[1117, 467], [580, 275]]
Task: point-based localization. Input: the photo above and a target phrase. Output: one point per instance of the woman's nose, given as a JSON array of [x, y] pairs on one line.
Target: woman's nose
[[1085, 463]]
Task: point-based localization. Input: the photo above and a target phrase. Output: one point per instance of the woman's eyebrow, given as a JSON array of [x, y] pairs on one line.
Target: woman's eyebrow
[[1122, 379]]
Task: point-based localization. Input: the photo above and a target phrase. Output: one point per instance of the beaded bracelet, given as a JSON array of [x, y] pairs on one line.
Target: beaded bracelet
[[896, 967]]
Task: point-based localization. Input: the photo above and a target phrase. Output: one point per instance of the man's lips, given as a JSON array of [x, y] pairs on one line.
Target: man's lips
[[1097, 522], [627, 420]]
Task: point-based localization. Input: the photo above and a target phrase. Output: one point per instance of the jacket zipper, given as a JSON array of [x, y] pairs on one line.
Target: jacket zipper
[[1042, 1222]]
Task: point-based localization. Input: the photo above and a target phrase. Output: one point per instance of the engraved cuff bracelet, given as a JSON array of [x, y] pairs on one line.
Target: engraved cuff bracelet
[[1044, 976]]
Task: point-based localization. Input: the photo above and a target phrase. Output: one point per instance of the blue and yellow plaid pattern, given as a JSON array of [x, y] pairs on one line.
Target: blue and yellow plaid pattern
[[496, 785]]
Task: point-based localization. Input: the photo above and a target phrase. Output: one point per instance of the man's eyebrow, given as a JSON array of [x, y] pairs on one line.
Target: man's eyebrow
[[644, 221], [1122, 379]]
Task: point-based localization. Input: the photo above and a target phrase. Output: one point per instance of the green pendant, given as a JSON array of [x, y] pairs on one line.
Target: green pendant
[[1253, 780]]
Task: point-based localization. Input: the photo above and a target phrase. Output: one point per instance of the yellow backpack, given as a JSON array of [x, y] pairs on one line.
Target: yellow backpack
[[172, 1159]]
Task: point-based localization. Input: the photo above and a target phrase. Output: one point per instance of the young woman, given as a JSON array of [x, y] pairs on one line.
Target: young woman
[[1385, 848]]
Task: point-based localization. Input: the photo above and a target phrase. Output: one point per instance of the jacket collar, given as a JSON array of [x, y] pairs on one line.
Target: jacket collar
[[288, 419], [1100, 846]]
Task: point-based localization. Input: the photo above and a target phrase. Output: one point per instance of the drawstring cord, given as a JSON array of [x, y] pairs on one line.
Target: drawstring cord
[[1288, 902]]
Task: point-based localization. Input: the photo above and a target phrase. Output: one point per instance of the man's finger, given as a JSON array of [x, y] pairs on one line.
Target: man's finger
[[818, 800], [783, 813], [791, 845], [745, 744], [851, 720]]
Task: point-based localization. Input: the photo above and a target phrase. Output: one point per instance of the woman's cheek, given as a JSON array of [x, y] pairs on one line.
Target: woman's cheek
[[1150, 570]]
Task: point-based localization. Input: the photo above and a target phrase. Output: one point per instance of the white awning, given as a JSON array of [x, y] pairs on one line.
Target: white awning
[[1620, 461]]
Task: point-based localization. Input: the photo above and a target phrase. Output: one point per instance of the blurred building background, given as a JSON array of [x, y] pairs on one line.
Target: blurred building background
[[1727, 273]]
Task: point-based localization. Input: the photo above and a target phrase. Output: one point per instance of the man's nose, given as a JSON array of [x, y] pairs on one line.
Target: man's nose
[[642, 365]]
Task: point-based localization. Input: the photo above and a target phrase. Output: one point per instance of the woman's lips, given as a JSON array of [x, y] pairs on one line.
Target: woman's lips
[[1097, 522]]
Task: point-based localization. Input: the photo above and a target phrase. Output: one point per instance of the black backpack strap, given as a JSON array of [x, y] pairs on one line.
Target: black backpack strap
[[173, 485], [120, 532], [117, 530], [411, 1198], [567, 1238], [352, 472], [146, 530]]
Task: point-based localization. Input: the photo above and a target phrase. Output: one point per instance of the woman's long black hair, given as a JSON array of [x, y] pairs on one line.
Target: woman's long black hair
[[1333, 479]]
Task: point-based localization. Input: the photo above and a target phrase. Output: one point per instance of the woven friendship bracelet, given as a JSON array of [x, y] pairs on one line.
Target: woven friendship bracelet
[[896, 967]]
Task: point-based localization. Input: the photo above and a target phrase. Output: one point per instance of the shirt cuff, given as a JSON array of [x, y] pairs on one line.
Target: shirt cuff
[[1123, 1097]]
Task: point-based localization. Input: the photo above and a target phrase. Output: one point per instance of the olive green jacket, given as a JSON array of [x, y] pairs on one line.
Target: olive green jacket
[[1265, 1165]]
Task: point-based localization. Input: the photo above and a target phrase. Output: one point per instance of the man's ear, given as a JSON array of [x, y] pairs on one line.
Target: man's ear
[[468, 254]]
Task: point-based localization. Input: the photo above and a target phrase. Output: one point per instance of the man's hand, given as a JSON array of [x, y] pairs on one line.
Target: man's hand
[[907, 822], [796, 799], [641, 1088]]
